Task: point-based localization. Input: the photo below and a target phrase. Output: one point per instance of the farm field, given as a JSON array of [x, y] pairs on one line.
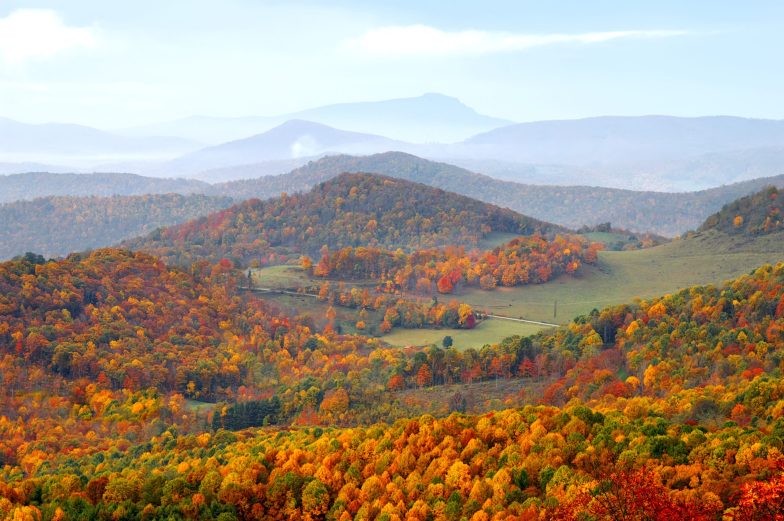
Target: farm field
[[620, 276]]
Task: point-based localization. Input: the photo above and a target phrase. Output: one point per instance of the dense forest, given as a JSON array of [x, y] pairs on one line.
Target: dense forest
[[350, 210], [756, 214], [57, 225], [671, 406]]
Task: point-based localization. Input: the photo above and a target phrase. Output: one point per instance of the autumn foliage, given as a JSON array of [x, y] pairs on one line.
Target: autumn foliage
[[524, 260], [349, 210]]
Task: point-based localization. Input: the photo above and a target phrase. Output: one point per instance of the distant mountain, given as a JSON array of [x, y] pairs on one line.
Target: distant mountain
[[250, 171], [426, 118], [71, 144], [349, 210], [757, 214], [639, 153], [27, 186], [431, 118], [20, 168], [668, 214], [289, 141], [605, 140], [56, 226]]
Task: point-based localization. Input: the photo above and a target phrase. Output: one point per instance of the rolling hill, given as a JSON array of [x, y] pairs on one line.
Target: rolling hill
[[57, 225], [665, 213], [635, 406], [745, 234], [17, 187], [350, 210], [753, 215]]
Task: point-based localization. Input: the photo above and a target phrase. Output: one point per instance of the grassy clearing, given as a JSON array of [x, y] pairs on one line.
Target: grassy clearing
[[622, 276], [487, 332], [287, 277]]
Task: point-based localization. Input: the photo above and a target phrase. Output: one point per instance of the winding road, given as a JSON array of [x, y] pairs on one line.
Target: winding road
[[313, 295]]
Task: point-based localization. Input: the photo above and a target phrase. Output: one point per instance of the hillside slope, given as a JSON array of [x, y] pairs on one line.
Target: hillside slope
[[58, 225], [675, 412], [756, 214], [350, 210]]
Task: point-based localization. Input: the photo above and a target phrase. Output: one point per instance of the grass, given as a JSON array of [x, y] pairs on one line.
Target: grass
[[487, 332], [622, 276], [287, 277]]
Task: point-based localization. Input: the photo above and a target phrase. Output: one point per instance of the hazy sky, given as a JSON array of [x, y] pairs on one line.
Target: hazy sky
[[115, 64]]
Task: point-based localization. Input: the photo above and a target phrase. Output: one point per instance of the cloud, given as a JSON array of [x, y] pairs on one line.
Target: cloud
[[35, 34], [423, 40]]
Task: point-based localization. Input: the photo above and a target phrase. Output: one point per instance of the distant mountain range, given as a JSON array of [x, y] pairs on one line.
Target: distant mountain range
[[292, 141], [668, 214], [661, 153], [427, 118], [650, 153], [78, 144], [664, 213], [626, 140]]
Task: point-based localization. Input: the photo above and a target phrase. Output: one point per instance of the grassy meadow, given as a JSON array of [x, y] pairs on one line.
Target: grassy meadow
[[618, 277], [621, 276]]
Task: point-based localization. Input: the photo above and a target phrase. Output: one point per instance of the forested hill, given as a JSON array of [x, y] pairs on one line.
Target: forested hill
[[756, 214], [58, 225], [668, 409], [668, 214], [17, 187], [350, 210]]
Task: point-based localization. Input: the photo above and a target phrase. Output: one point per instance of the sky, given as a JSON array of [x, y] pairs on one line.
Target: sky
[[121, 64]]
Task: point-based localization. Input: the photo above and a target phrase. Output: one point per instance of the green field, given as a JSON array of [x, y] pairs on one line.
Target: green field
[[622, 276], [487, 332], [619, 277]]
